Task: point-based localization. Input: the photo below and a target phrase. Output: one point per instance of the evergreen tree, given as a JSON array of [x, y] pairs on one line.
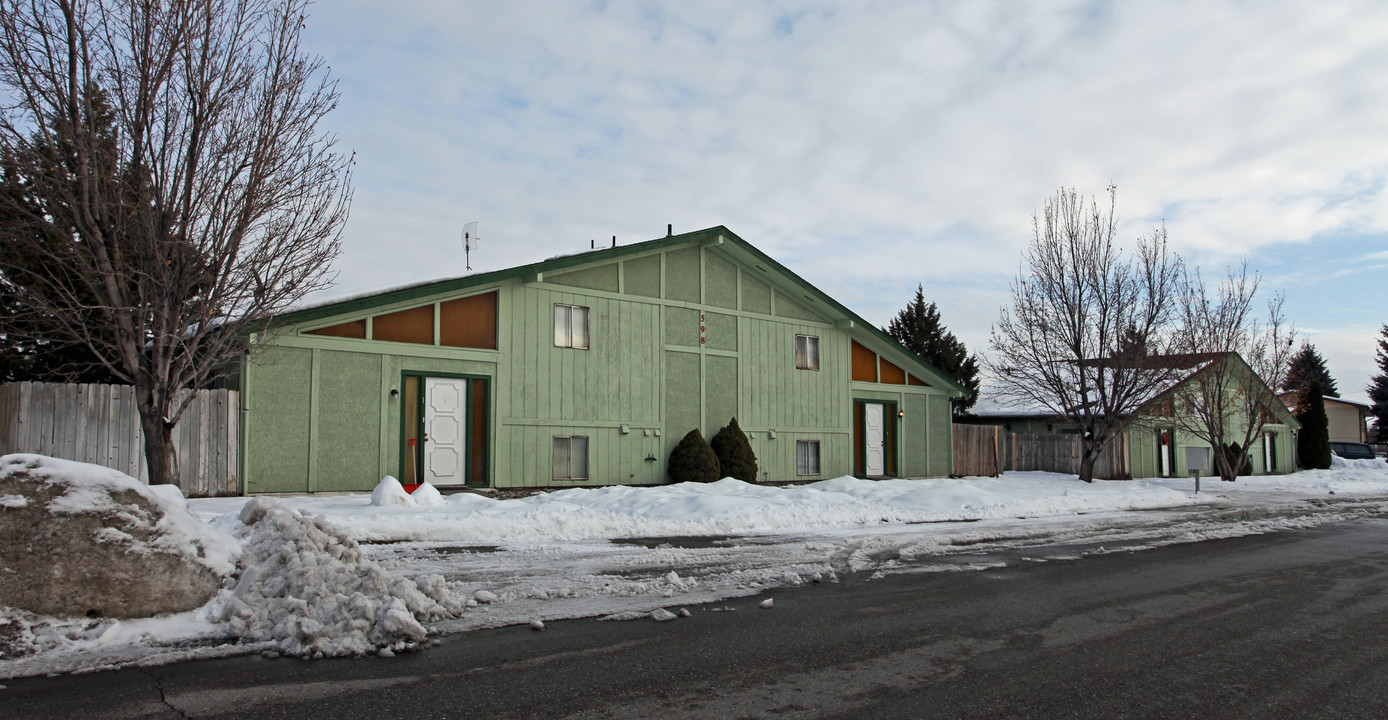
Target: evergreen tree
[[29, 350], [693, 460], [918, 328], [1313, 440], [1308, 365], [735, 456], [1378, 389]]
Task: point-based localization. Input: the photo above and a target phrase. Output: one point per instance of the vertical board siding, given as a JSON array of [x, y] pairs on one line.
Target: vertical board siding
[[977, 450], [774, 394], [644, 381], [570, 391], [100, 424]]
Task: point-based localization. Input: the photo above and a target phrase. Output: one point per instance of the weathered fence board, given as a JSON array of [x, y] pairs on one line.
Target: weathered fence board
[[987, 450], [977, 450], [100, 424]]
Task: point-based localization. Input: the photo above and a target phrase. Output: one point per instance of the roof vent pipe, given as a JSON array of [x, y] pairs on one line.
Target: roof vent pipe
[[592, 244], [614, 241], [669, 230]]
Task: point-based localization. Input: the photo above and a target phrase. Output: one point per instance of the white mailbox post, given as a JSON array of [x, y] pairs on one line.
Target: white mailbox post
[[1197, 460]]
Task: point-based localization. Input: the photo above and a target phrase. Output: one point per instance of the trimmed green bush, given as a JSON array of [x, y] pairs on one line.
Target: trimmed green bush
[[734, 451], [693, 460]]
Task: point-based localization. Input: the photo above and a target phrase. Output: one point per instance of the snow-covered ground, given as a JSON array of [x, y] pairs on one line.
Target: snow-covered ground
[[442, 564]]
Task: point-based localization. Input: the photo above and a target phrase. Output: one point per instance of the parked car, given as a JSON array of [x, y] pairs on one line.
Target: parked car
[[1352, 451]]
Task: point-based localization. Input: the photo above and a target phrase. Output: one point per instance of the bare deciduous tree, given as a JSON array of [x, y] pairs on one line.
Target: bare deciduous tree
[[1228, 401], [168, 184], [1081, 314]]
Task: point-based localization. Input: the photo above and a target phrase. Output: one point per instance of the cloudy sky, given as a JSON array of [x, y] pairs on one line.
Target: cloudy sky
[[874, 146]]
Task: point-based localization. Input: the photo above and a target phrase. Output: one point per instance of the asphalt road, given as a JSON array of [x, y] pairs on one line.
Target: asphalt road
[[1291, 625]]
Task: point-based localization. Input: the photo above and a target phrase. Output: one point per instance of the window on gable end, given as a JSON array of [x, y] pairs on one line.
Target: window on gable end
[[806, 352], [571, 326]]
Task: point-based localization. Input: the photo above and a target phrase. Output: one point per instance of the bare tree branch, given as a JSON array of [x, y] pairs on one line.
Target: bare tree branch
[[1081, 313], [167, 186], [1229, 402]]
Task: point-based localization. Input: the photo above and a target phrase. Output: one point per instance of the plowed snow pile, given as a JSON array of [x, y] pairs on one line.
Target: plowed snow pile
[[307, 589]]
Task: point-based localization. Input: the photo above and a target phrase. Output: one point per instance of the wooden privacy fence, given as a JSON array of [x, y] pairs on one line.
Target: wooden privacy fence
[[100, 424], [989, 450]]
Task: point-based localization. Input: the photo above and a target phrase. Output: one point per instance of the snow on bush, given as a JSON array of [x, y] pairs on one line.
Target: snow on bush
[[389, 491], [80, 539], [307, 589], [426, 494]]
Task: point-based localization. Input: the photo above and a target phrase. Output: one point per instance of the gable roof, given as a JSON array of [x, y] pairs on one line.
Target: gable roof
[[719, 236], [1289, 398], [1198, 363]]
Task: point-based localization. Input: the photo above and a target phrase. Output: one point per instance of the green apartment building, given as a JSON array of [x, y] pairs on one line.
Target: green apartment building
[[586, 370]]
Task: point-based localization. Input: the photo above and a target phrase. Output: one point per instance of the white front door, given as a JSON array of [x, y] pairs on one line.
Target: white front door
[[1165, 452], [445, 431], [873, 448]]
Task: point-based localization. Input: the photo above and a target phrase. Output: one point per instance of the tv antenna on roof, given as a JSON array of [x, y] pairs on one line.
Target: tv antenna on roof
[[469, 242]]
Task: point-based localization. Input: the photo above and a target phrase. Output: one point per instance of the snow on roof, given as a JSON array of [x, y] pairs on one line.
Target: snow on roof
[[992, 405], [1289, 399]]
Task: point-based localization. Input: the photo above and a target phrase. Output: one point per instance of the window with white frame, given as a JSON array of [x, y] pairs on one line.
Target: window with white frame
[[806, 457], [806, 352], [571, 326], [570, 457]]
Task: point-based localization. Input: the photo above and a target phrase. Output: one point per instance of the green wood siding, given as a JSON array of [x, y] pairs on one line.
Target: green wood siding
[[921, 449], [683, 397], [321, 416], [915, 450], [277, 420], [602, 277], [347, 434], [722, 331], [785, 307], [756, 295], [720, 276], [682, 275], [941, 460], [720, 393], [682, 327], [774, 394], [776, 456], [641, 276]]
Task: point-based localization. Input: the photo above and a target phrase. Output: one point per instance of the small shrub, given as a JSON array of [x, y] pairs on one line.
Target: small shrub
[[1231, 453], [735, 456], [693, 460]]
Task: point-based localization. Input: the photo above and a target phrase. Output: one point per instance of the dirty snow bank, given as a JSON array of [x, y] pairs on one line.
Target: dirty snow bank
[[307, 589]]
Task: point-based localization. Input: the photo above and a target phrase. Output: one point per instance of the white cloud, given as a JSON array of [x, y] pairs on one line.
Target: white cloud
[[868, 146]]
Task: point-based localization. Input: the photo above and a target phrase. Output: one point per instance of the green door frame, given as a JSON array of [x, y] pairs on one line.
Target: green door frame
[[889, 437], [468, 478]]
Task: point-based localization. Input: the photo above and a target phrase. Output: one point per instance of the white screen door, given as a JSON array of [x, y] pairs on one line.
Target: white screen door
[[445, 430], [872, 439]]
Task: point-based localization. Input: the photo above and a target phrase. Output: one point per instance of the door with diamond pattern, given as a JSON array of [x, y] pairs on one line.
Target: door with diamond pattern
[[445, 431]]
